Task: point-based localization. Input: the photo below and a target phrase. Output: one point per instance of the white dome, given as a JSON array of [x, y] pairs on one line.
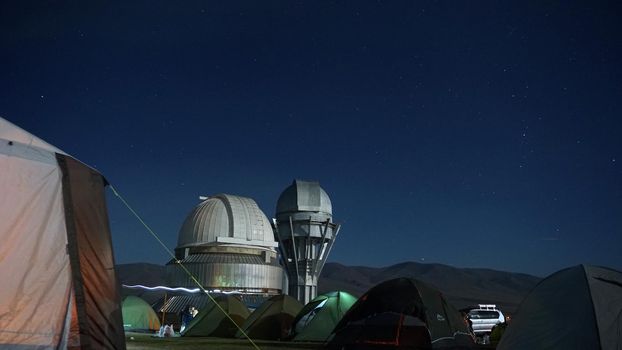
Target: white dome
[[226, 219], [304, 196]]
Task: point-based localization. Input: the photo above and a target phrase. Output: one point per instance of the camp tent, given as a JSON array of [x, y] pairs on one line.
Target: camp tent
[[576, 308], [212, 322], [273, 319], [138, 315], [59, 288], [317, 319], [401, 313]]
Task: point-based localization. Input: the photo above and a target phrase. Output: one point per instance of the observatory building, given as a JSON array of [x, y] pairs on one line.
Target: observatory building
[[227, 243], [306, 233]]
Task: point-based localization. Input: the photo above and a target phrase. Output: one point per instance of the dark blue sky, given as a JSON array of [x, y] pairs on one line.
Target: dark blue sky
[[475, 134]]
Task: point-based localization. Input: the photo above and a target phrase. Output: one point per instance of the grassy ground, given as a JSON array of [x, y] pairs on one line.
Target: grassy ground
[[141, 341]]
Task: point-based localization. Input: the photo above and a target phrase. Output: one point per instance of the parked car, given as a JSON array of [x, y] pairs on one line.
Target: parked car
[[484, 317]]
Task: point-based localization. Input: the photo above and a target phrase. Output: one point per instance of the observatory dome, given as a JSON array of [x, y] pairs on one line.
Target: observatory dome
[[304, 196], [227, 244], [306, 233], [223, 219]]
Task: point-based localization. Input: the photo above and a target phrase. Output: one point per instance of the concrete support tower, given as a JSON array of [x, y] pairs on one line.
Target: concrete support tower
[[306, 233]]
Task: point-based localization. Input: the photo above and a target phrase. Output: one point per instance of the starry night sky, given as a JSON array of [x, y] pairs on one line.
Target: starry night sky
[[475, 134]]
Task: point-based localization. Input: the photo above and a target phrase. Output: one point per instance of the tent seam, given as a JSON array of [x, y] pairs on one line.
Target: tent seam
[[589, 290]]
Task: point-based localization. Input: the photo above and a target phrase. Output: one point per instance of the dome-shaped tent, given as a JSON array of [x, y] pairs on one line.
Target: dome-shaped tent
[[576, 308], [138, 315], [317, 319], [212, 322], [401, 313], [273, 319]]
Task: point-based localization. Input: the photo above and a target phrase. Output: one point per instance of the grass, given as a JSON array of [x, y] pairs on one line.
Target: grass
[[141, 341]]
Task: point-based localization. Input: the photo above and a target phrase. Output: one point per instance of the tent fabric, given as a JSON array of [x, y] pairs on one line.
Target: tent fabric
[[273, 319], [96, 288], [317, 319], [11, 132], [138, 315], [576, 308], [56, 263], [606, 290], [401, 313], [36, 279], [212, 322], [386, 330]]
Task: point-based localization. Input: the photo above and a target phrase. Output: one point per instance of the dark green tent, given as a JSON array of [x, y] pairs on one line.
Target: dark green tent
[[138, 315], [317, 319], [273, 319], [401, 313], [576, 308], [211, 321]]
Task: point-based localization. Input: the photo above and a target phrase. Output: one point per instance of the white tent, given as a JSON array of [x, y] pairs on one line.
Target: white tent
[[576, 308], [59, 288]]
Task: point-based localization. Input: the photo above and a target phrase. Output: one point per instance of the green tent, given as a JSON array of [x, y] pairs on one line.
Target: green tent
[[212, 322], [317, 319], [138, 315], [273, 319]]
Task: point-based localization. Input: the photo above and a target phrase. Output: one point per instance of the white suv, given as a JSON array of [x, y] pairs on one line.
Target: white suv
[[484, 318]]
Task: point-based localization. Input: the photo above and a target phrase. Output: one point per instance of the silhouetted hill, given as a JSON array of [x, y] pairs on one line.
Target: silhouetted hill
[[141, 273], [461, 286]]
